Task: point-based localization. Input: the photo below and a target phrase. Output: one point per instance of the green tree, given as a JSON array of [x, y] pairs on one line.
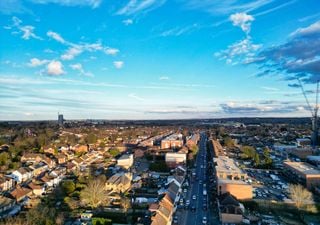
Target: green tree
[[114, 152], [256, 159], [248, 151], [228, 142], [68, 186], [4, 159]]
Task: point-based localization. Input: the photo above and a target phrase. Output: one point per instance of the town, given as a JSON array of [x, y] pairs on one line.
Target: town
[[227, 171]]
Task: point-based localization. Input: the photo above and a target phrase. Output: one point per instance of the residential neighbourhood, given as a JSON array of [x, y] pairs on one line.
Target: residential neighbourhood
[[222, 173]]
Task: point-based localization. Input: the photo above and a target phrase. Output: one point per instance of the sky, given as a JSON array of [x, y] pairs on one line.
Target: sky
[[157, 59]]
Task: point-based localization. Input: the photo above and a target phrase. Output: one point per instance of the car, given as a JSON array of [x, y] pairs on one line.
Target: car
[[204, 220], [187, 202], [181, 200], [175, 220], [193, 208], [194, 197], [200, 181], [185, 190], [205, 207]]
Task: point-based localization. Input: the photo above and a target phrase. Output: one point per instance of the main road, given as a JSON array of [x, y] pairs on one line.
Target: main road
[[200, 210]]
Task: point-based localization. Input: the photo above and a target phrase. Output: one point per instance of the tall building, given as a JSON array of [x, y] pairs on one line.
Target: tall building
[[60, 119]]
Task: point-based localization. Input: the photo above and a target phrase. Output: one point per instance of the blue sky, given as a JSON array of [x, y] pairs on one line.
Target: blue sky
[[157, 59]]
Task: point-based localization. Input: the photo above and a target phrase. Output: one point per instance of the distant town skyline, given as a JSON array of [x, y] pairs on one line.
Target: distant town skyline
[[157, 59]]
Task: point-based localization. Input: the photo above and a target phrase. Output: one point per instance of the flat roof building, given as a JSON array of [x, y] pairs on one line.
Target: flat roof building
[[230, 179], [305, 173]]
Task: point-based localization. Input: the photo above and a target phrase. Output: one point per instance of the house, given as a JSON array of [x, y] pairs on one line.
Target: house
[[37, 189], [50, 162], [31, 157], [50, 151], [22, 174], [61, 158], [125, 161], [230, 210], [119, 182], [20, 193], [6, 183], [39, 168], [6, 203], [163, 215]]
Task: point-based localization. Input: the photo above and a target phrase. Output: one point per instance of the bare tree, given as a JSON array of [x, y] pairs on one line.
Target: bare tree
[[300, 195], [94, 194]]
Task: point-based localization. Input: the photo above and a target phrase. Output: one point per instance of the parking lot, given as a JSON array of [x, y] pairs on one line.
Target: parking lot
[[268, 185]]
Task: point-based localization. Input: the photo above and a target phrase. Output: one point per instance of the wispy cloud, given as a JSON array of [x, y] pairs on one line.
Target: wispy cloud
[[179, 30], [27, 31], [140, 6], [75, 49], [78, 67], [243, 51], [91, 3], [134, 96], [164, 78], [226, 7], [35, 62], [127, 22]]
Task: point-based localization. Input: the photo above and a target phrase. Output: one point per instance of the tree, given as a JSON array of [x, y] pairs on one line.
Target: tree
[[94, 194], [114, 152], [248, 151], [228, 142], [300, 195], [256, 159], [4, 159], [68, 186], [194, 149]]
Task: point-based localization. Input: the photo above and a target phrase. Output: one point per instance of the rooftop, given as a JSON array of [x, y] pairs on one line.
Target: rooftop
[[227, 165], [303, 167]]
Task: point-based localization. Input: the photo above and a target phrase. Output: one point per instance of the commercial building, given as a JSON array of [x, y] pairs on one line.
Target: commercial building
[[174, 159], [226, 168], [60, 119], [230, 179], [172, 141], [305, 173]]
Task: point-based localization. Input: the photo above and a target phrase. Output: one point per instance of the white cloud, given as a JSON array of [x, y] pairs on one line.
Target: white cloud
[[111, 51], [242, 51], [55, 68], [118, 64], [242, 20], [27, 31], [133, 95], [71, 53], [305, 31], [164, 78], [138, 6], [79, 68], [179, 30], [77, 49], [35, 62], [127, 22], [91, 3], [56, 37]]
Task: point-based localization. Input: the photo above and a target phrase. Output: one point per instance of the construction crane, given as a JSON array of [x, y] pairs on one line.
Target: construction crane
[[314, 114]]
